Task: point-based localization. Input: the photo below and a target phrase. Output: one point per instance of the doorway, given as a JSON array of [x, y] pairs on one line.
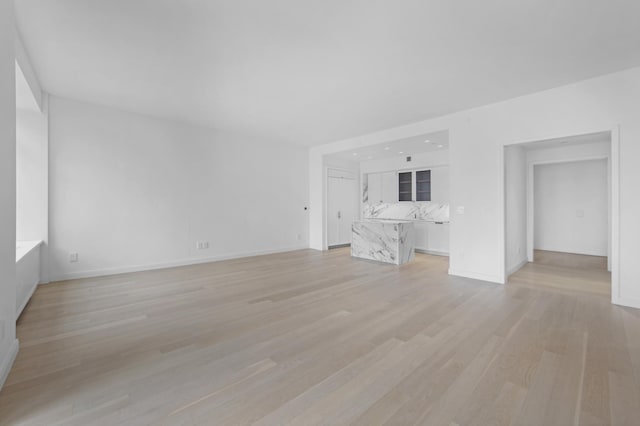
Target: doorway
[[342, 206], [560, 214]]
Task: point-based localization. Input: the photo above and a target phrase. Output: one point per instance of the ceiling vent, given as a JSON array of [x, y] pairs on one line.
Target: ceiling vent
[[408, 158]]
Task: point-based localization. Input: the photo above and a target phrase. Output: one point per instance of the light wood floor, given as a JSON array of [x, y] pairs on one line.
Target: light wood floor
[[319, 338], [565, 271]]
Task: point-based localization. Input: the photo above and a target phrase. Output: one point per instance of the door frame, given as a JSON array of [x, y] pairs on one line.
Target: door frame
[[356, 178], [614, 159]]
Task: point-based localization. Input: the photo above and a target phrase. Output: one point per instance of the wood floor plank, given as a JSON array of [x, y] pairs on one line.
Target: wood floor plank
[[311, 337]]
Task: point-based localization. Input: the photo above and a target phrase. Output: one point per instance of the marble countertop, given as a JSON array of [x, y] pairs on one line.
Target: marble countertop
[[383, 221], [402, 221]]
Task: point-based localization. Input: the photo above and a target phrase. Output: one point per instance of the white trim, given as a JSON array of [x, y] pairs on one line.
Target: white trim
[[171, 264], [495, 279], [615, 222], [628, 302], [503, 214], [517, 267], [325, 207], [8, 361]]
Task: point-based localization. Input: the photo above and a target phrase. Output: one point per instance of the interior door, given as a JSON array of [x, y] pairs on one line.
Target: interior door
[[342, 202], [348, 208], [333, 210]]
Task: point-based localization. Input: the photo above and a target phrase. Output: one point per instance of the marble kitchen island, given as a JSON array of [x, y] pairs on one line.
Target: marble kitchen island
[[390, 241]]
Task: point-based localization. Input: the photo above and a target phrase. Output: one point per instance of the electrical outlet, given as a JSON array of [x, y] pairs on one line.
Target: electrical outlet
[[73, 257], [299, 237], [201, 245]]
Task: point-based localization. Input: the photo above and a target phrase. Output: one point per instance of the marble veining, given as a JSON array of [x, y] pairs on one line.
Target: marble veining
[[384, 241], [365, 191], [421, 210]]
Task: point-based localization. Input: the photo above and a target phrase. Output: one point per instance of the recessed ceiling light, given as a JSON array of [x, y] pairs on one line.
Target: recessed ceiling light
[[427, 141], [439, 146], [355, 153], [386, 148], [400, 152]]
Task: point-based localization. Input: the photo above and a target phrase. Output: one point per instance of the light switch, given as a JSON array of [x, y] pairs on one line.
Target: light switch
[[579, 213]]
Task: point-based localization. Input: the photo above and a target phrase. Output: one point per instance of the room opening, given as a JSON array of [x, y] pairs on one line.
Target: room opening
[[391, 200], [559, 213]]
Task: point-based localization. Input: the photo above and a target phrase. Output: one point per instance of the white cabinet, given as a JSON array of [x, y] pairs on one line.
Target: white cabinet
[[432, 237], [438, 237], [383, 187], [421, 230]]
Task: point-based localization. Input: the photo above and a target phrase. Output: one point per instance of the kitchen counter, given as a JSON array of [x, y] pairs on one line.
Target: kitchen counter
[[389, 241]]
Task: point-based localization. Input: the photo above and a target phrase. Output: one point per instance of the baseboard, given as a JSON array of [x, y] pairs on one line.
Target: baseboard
[[433, 252], [626, 301], [477, 276], [7, 362], [517, 267], [339, 246], [172, 264]]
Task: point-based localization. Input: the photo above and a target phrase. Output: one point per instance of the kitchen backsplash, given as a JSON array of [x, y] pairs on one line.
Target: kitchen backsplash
[[422, 210]]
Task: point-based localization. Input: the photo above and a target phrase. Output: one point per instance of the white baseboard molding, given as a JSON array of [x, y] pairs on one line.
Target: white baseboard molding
[[7, 362], [335, 246], [517, 267], [433, 252], [626, 301], [477, 276], [171, 264]]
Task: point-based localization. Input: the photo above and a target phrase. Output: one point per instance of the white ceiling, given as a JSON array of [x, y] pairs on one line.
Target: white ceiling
[[400, 148], [312, 72]]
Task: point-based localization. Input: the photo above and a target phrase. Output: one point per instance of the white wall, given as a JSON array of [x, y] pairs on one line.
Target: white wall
[[27, 72], [8, 342], [132, 192], [423, 159], [476, 164], [515, 207], [571, 207], [542, 154], [32, 180]]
